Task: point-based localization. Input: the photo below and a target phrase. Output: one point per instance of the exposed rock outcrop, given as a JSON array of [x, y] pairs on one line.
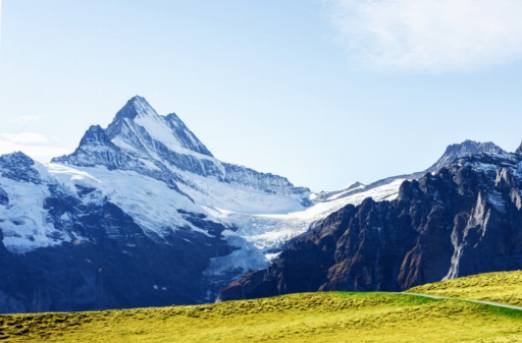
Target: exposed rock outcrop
[[463, 220]]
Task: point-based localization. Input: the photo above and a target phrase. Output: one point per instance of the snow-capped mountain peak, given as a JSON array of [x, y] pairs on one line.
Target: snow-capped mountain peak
[[164, 148], [466, 149], [147, 183], [16, 158], [95, 136], [136, 106], [185, 136], [519, 149], [19, 167], [138, 129]]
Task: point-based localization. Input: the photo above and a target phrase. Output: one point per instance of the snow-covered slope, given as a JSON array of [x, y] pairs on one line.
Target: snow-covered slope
[[162, 147], [157, 171], [466, 149], [147, 182], [269, 232], [264, 209], [24, 185], [152, 170]]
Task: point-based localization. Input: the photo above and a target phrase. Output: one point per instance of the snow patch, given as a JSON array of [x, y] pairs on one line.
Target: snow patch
[[270, 231], [151, 204], [245, 258], [24, 222]]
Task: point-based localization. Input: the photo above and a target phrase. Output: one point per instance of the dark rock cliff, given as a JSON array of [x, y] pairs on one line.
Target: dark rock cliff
[[111, 263], [462, 220]]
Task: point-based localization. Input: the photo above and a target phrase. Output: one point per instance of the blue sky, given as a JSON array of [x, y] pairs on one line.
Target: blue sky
[[324, 92]]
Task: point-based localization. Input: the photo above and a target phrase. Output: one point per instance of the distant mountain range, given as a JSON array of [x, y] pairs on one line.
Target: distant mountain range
[[463, 216], [143, 214]]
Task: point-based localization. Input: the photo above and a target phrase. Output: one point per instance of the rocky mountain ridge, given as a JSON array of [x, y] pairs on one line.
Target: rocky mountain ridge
[[145, 203], [463, 219], [139, 203]]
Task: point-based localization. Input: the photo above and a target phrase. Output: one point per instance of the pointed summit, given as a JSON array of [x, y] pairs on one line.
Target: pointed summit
[[16, 158], [136, 106], [145, 130], [186, 137], [95, 136], [519, 150], [19, 167], [465, 149], [138, 133]]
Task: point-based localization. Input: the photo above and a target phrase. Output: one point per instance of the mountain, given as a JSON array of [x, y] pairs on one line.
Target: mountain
[[465, 149], [141, 140], [464, 218], [137, 215], [142, 213], [269, 232], [70, 247]]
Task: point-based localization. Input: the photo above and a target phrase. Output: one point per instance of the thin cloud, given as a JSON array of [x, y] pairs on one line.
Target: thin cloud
[[430, 35], [24, 120], [34, 144], [25, 138]]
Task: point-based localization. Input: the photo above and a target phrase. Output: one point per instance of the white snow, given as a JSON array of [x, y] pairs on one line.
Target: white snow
[[120, 142], [234, 197], [24, 221], [264, 220], [347, 191], [148, 201], [158, 129], [247, 257], [266, 210], [477, 221], [268, 231]]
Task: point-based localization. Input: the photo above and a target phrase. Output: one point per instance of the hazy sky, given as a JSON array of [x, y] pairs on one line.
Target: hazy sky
[[322, 92]]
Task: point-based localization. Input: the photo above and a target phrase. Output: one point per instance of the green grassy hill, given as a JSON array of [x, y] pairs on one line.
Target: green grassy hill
[[312, 317], [504, 287]]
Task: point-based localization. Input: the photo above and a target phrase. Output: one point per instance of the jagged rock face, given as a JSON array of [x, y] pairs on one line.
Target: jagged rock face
[[66, 246], [139, 139], [110, 263], [142, 214], [519, 150], [463, 220], [138, 106], [18, 166], [135, 216], [466, 149], [4, 197], [186, 137], [97, 149]]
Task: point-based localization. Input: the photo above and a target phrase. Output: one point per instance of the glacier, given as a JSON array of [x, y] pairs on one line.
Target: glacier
[[165, 187]]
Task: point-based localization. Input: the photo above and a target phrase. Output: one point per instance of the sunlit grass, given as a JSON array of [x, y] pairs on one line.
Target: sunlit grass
[[317, 317], [503, 287]]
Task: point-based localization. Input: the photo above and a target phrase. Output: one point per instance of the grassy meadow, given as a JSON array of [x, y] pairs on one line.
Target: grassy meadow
[[310, 317], [502, 287]]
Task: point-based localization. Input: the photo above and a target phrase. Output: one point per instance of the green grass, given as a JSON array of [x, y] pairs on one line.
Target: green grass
[[309, 317], [503, 287]]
